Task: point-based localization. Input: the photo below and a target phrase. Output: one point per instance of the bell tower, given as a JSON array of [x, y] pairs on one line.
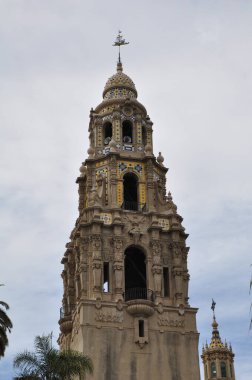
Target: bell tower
[[217, 357], [125, 301]]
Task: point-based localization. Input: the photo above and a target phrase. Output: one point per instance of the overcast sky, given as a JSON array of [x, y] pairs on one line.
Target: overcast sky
[[191, 63]]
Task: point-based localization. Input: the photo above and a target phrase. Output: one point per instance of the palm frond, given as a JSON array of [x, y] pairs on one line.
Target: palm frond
[[4, 304], [27, 362], [75, 363], [5, 321], [49, 363], [3, 342]]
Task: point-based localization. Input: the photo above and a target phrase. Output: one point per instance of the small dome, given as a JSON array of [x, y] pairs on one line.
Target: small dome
[[119, 86]]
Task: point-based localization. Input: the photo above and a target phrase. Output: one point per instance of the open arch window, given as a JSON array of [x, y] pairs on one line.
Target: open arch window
[[107, 128], [223, 369], [127, 135], [130, 192], [135, 274], [213, 370], [144, 136]]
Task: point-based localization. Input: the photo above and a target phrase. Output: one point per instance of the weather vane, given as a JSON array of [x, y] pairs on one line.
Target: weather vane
[[213, 306], [120, 41]]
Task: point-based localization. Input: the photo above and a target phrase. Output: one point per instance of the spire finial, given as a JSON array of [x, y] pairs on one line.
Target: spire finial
[[213, 307], [120, 41]]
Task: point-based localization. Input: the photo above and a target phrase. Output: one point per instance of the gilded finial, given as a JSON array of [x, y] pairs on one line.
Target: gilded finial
[[120, 41]]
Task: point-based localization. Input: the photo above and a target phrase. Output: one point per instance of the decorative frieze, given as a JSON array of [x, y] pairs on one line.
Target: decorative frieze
[[165, 320], [109, 316]]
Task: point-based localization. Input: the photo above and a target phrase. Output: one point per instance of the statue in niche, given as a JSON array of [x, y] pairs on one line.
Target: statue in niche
[[101, 189], [98, 192]]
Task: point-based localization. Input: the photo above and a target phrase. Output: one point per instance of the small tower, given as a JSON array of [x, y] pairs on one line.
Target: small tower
[[125, 300], [217, 357]]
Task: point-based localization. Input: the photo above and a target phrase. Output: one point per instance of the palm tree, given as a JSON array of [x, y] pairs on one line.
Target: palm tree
[[5, 325], [48, 363]]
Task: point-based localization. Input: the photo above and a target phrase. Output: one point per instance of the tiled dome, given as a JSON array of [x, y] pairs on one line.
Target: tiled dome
[[119, 86]]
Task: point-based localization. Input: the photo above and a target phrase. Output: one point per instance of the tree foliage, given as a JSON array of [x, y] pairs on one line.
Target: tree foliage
[[5, 325], [48, 363]]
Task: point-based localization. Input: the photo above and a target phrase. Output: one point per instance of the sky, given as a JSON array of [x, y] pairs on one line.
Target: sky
[[191, 64]]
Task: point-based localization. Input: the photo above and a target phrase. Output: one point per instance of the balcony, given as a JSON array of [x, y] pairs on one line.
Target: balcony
[[66, 311], [133, 206], [140, 302], [139, 294]]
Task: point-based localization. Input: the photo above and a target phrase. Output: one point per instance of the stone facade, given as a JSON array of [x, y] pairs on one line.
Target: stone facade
[[125, 276]]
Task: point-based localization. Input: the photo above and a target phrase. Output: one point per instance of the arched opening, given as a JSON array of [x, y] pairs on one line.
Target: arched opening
[[107, 128], [144, 136], [223, 369], [135, 274], [130, 197], [127, 132], [213, 370]]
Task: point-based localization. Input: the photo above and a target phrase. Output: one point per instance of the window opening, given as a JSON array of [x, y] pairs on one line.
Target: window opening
[[166, 282], [130, 184], [127, 132], [141, 328], [231, 372], [144, 136], [213, 370], [107, 132], [105, 277], [223, 369], [135, 274]]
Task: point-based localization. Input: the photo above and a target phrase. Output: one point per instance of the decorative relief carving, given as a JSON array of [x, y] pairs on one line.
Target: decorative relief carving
[[118, 270], [164, 223], [98, 303], [96, 246], [108, 255], [156, 250], [166, 260], [84, 245], [177, 272], [117, 266], [106, 218], [156, 269], [160, 308], [119, 305], [156, 247], [181, 309], [96, 265], [76, 325], [117, 244], [157, 275], [96, 241], [109, 316], [127, 110], [185, 251], [166, 321], [97, 275], [136, 233]]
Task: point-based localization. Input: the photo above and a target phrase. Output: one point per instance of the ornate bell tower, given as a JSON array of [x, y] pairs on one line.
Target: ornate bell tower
[[217, 357], [125, 276]]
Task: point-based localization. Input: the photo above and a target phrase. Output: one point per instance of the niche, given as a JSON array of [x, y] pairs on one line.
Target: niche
[[127, 135], [107, 128]]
